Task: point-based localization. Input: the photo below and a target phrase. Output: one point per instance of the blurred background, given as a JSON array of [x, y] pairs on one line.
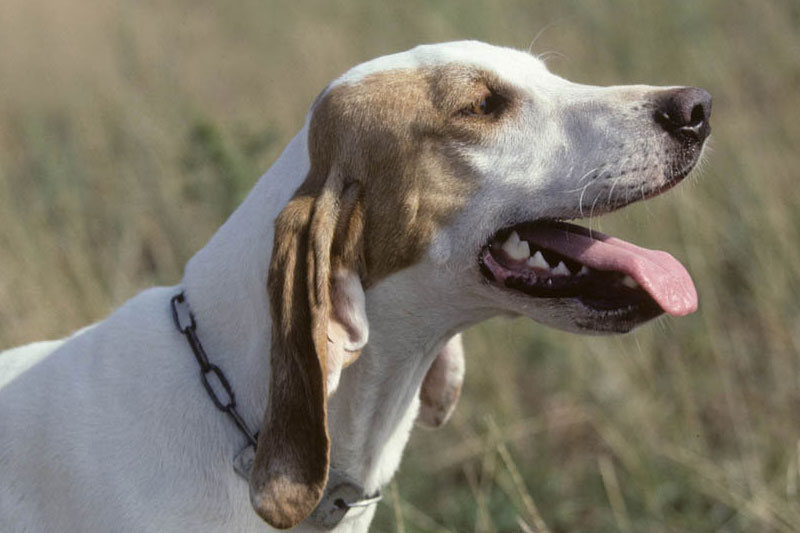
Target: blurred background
[[129, 130]]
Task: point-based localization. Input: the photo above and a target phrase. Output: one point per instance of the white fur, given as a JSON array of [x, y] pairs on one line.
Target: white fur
[[112, 430]]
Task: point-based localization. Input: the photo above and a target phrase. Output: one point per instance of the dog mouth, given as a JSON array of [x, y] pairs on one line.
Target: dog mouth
[[546, 259]]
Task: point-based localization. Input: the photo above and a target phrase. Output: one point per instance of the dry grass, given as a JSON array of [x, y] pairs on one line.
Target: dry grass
[[129, 131]]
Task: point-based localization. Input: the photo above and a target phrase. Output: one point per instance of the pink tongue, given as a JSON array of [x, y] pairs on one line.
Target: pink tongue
[[657, 272]]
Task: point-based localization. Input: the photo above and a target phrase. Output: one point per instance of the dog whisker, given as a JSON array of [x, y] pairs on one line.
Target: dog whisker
[[591, 211], [580, 200], [590, 172], [611, 191]]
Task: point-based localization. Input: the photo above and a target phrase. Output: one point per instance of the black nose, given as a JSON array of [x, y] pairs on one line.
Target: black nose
[[684, 113]]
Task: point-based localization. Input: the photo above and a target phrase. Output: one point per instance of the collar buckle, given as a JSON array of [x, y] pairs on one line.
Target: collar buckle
[[342, 493]]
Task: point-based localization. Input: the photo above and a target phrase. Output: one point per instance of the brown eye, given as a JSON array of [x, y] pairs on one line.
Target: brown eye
[[486, 105], [479, 107]]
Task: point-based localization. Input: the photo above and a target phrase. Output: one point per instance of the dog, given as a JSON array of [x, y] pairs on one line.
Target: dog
[[427, 191]]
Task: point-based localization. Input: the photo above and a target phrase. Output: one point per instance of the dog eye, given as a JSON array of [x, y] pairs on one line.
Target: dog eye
[[479, 107], [486, 105]]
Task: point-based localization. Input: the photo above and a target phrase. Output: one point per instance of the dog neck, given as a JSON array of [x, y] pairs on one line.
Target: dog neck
[[225, 282], [372, 411]]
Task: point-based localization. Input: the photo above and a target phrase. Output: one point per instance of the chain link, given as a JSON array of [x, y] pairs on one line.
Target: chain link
[[186, 324]]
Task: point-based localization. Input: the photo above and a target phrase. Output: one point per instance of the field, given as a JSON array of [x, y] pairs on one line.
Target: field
[[130, 130]]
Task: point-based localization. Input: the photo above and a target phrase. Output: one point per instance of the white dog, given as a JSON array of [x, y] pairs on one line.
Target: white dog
[[423, 194]]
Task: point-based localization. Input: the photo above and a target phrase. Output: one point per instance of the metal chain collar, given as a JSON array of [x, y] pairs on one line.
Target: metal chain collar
[[184, 321], [341, 492]]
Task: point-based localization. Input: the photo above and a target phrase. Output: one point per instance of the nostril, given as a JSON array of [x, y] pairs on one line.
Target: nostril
[[698, 115]]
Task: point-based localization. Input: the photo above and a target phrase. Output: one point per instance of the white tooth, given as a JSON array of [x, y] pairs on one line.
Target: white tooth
[[538, 261], [511, 243], [523, 251], [561, 269], [630, 282], [584, 270], [512, 240], [515, 248]]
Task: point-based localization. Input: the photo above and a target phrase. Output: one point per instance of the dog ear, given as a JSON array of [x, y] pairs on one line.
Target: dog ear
[[319, 326], [441, 387]]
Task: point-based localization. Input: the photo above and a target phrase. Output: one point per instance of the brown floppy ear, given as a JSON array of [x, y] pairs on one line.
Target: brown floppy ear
[[441, 387], [318, 326]]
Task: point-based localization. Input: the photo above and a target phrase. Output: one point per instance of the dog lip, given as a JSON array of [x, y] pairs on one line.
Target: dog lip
[[659, 274], [605, 296]]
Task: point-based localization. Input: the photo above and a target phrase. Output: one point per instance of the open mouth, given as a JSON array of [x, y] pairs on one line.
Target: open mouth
[[547, 259]]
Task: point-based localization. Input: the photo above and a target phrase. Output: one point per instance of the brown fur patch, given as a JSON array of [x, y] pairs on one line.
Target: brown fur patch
[[396, 134], [384, 177], [287, 482]]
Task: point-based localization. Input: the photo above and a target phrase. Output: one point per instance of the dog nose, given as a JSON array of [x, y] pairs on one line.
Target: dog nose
[[684, 113]]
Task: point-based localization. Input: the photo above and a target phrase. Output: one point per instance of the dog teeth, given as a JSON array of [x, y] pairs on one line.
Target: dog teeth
[[516, 248], [630, 282], [584, 270], [538, 261], [561, 270]]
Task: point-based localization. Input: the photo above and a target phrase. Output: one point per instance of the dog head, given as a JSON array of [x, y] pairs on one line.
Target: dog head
[[466, 158]]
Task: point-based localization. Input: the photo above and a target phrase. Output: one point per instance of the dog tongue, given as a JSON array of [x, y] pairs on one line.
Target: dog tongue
[[657, 272]]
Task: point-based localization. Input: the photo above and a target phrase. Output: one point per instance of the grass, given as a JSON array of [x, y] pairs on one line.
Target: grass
[[129, 131]]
